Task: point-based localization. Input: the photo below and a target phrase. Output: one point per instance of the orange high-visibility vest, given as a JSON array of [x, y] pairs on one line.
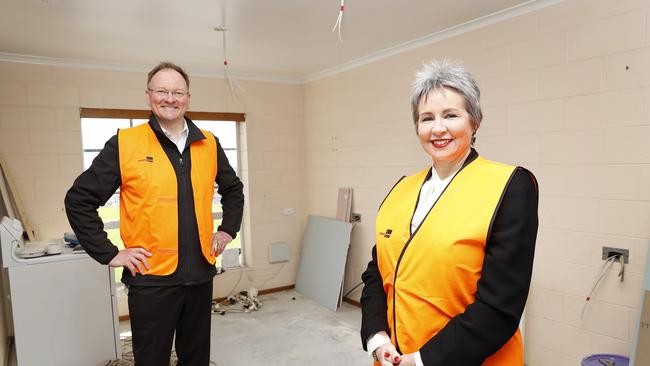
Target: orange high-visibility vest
[[149, 196], [437, 275]]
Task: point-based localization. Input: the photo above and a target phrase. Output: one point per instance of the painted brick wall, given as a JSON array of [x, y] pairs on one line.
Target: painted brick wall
[[557, 98]]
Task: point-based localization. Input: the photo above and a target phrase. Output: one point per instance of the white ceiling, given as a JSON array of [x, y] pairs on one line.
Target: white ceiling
[[285, 39]]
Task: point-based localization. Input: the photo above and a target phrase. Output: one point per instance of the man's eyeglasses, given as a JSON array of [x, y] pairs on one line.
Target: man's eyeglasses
[[176, 94]]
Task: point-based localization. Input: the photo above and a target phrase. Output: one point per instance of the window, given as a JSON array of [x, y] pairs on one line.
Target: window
[[99, 125]]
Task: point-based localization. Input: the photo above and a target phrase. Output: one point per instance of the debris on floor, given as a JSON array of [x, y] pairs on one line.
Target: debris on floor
[[246, 298]]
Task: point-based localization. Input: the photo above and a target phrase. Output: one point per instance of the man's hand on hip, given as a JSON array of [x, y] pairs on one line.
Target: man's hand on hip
[[134, 259], [219, 241]]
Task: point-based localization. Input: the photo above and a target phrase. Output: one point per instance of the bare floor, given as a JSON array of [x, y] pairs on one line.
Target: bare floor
[[286, 332]]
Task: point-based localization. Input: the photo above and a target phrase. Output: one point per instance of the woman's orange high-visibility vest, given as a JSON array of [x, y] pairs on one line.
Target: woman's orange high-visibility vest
[[438, 273]]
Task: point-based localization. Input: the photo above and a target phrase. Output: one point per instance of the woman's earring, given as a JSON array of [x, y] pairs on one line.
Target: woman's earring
[[473, 139]]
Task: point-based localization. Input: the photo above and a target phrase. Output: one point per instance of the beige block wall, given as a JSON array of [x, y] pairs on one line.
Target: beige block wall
[[558, 99], [41, 139]]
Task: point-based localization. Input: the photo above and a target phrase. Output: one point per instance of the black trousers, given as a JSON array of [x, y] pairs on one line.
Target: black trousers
[[157, 312]]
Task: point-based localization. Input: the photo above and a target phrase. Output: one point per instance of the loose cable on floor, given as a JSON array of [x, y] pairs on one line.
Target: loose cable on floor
[[241, 273]]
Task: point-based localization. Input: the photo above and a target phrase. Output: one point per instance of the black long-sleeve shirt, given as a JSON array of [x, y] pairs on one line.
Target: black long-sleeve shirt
[[492, 319], [98, 183]]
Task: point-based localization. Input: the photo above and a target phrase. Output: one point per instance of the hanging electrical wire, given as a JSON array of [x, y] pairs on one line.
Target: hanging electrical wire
[[234, 85], [339, 20], [604, 269]]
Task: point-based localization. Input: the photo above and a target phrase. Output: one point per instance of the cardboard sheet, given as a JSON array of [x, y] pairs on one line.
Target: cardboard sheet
[[344, 204]]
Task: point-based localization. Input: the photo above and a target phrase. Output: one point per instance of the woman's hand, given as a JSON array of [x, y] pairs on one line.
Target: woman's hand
[[408, 360], [387, 355]]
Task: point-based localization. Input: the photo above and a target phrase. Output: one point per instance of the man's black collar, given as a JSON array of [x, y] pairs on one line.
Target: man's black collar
[[194, 133]]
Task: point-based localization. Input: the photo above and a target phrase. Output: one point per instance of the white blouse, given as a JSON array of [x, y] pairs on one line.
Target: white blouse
[[429, 194]]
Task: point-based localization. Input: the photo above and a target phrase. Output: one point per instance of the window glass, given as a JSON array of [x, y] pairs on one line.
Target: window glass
[[96, 131], [226, 132], [89, 156]]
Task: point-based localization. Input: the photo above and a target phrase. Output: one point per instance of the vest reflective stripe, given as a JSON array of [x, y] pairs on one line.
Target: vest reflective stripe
[[149, 196], [432, 276]]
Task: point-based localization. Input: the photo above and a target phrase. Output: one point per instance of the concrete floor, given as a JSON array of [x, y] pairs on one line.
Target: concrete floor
[[287, 332]]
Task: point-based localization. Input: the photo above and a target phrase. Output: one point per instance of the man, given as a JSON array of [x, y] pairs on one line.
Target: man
[[166, 171]]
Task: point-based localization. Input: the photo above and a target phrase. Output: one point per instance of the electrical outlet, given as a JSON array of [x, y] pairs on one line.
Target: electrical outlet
[[611, 251]]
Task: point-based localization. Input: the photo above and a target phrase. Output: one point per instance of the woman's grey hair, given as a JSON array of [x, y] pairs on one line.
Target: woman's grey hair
[[439, 74]]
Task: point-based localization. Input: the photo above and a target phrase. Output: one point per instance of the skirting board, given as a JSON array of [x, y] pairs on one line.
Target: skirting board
[[352, 302]]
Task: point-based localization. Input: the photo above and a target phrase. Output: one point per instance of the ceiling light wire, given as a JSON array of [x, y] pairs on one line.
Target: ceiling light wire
[[234, 85], [339, 20]]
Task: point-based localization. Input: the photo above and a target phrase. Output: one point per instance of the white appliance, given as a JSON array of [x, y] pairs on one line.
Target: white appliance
[[62, 308]]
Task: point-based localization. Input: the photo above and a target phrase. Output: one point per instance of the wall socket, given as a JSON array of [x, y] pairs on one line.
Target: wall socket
[[611, 251]]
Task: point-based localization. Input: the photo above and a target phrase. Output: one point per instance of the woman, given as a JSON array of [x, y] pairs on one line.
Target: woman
[[450, 273]]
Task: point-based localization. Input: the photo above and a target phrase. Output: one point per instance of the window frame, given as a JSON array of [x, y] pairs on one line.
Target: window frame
[[132, 114]]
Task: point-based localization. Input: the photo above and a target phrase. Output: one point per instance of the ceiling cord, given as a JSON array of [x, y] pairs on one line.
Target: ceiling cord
[[339, 20], [234, 84]]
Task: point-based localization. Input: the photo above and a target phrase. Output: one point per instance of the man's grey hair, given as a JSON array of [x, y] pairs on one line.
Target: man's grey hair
[[439, 74]]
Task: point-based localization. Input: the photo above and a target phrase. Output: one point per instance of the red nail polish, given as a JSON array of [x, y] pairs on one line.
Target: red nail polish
[[386, 354], [396, 358]]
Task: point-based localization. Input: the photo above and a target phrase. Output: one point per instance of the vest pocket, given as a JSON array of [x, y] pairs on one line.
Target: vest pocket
[[167, 251], [163, 261], [167, 200]]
